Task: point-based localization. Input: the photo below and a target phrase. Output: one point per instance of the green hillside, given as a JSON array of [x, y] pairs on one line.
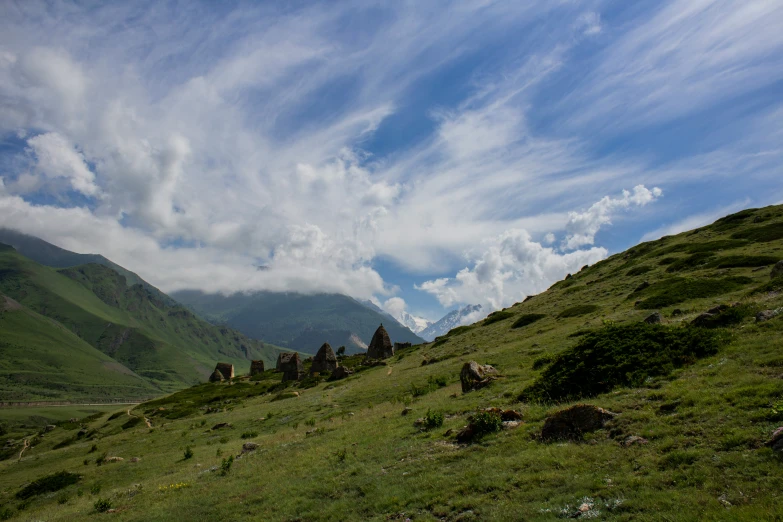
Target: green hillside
[[695, 399], [53, 256], [166, 345], [44, 361], [297, 321]]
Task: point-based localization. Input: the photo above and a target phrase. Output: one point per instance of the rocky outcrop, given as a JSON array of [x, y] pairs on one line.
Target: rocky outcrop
[[776, 441], [777, 270], [341, 372], [291, 367], [766, 315], [380, 346], [573, 422], [256, 367], [474, 375], [325, 361], [225, 369], [654, 318]]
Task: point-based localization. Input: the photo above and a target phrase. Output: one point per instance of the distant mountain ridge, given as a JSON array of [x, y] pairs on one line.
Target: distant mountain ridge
[[298, 321], [450, 320]]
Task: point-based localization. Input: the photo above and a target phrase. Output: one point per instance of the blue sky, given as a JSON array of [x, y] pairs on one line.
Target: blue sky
[[425, 155]]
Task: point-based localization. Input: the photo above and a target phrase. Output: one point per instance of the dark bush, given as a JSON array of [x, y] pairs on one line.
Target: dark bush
[[527, 319], [225, 465], [743, 261], [639, 270], [130, 423], [116, 415], [728, 317], [494, 317], [188, 453], [776, 285], [620, 356], [48, 484], [253, 434], [433, 419], [542, 361], [765, 234], [459, 330], [690, 262], [102, 505], [578, 310], [485, 422], [679, 289]]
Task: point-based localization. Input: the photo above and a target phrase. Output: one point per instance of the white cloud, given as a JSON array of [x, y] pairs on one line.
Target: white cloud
[[582, 227], [56, 158]]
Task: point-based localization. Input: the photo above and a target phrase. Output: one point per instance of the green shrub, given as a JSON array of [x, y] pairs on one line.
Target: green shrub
[[639, 270], [667, 261], [459, 330], [130, 423], [527, 319], [728, 317], [690, 262], [678, 459], [225, 466], [116, 415], [578, 310], [763, 234], [249, 435], [776, 285], [486, 422], [93, 448], [744, 261], [494, 317], [188, 453], [433, 419], [6, 514], [48, 484], [95, 489], [679, 289], [624, 355], [542, 361], [102, 505]]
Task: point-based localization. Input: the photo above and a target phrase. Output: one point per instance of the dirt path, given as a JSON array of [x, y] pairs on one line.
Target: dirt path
[[146, 420], [26, 446]]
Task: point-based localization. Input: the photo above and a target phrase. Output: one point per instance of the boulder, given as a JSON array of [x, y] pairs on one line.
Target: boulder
[[506, 415], [291, 367], [718, 309], [406, 410], [380, 347], [776, 441], [474, 375], [677, 312], [247, 447], [777, 270], [654, 318], [571, 423], [645, 284], [341, 372], [216, 376], [256, 367], [703, 319], [50, 427], [766, 315], [325, 361], [135, 459], [221, 425], [113, 459], [634, 440]]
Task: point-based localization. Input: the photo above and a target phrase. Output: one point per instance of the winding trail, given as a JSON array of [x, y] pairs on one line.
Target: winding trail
[[146, 420], [26, 446]]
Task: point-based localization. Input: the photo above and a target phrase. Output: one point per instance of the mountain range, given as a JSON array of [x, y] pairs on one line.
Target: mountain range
[[447, 322], [298, 321]]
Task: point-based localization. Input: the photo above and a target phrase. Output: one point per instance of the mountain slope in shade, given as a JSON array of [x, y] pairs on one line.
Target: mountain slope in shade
[[44, 361], [166, 345], [450, 320], [297, 321]]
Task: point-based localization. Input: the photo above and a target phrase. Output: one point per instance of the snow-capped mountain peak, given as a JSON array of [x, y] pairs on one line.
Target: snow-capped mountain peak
[[451, 320]]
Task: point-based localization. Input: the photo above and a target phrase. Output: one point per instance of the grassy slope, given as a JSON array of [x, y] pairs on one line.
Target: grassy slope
[[42, 360], [168, 346], [301, 322], [706, 423]]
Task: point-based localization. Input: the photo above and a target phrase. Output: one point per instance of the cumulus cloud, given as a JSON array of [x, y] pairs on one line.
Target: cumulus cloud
[[583, 226], [56, 158]]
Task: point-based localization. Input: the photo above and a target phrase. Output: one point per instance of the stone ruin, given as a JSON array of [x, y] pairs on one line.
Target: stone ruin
[[380, 346], [400, 346], [290, 365], [223, 371], [325, 361], [256, 367]]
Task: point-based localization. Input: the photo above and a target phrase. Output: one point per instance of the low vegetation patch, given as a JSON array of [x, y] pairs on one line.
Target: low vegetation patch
[[527, 319], [728, 317], [578, 310], [486, 422], [764, 234], [620, 356], [679, 289], [494, 317], [744, 261], [639, 270], [690, 262], [48, 484]]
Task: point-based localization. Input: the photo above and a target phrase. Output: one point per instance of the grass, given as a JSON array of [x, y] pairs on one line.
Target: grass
[[677, 290], [705, 421], [527, 319], [576, 311]]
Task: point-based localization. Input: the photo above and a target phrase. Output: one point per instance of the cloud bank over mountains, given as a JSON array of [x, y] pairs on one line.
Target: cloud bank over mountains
[[488, 143]]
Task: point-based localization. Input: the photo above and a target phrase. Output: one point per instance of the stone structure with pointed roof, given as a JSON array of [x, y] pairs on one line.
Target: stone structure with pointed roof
[[256, 367], [291, 366], [225, 369], [325, 361], [380, 346]]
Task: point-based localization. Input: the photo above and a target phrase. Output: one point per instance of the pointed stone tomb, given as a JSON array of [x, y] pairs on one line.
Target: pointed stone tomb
[[216, 376], [225, 369], [380, 346], [325, 361], [256, 367], [291, 366]]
